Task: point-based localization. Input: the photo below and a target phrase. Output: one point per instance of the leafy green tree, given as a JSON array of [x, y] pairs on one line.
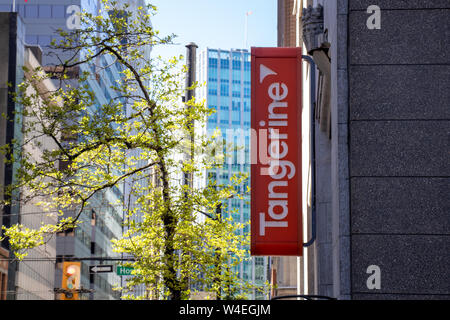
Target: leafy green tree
[[175, 233]]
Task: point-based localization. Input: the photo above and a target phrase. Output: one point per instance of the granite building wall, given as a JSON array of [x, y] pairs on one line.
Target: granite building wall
[[399, 168], [382, 180]]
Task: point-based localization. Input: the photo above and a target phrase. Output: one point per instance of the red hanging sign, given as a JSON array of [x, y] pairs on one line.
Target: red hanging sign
[[276, 176]]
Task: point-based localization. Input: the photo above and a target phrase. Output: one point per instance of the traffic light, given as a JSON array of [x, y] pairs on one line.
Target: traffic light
[[71, 280]]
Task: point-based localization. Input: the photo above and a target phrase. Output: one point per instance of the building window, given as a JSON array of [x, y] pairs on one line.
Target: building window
[[31, 39], [21, 9], [45, 11], [44, 40], [212, 119], [224, 88], [224, 64], [236, 118], [213, 53], [58, 11], [212, 71], [213, 62], [31, 11], [212, 175]]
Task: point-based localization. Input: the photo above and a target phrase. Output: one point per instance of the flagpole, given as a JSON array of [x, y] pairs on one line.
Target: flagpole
[[245, 30], [14, 6]]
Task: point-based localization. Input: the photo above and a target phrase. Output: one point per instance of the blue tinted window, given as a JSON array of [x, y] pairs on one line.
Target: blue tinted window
[[30, 39], [212, 71], [212, 101], [224, 63], [212, 175], [213, 53], [236, 118], [236, 65], [224, 88], [31, 11], [21, 10], [246, 118], [224, 117], [107, 95], [45, 11], [5, 8], [236, 75], [58, 11], [110, 74], [246, 106], [213, 62], [44, 41]]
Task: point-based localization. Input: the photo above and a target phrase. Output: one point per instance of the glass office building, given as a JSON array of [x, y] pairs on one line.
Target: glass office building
[[227, 77], [102, 220]]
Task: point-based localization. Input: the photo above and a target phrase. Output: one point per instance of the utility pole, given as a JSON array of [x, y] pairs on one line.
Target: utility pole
[[191, 55]]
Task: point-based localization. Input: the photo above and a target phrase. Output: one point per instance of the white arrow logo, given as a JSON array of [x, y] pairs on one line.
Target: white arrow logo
[[264, 72]]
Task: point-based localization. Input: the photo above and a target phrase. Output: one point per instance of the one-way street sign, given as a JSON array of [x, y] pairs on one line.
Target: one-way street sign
[[103, 268]]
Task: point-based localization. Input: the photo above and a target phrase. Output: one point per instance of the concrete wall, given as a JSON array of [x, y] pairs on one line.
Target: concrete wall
[[35, 278], [329, 257], [337, 23], [399, 120]]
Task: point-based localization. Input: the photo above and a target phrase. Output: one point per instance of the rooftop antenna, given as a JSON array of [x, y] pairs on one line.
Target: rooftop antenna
[[246, 28]]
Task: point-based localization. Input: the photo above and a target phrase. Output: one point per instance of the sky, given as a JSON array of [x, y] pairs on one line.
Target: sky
[[215, 24]]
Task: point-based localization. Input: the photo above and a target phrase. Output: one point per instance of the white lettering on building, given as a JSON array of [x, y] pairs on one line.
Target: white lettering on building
[[280, 170]]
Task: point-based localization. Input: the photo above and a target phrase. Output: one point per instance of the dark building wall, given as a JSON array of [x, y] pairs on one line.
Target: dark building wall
[[399, 120], [4, 67], [11, 51]]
